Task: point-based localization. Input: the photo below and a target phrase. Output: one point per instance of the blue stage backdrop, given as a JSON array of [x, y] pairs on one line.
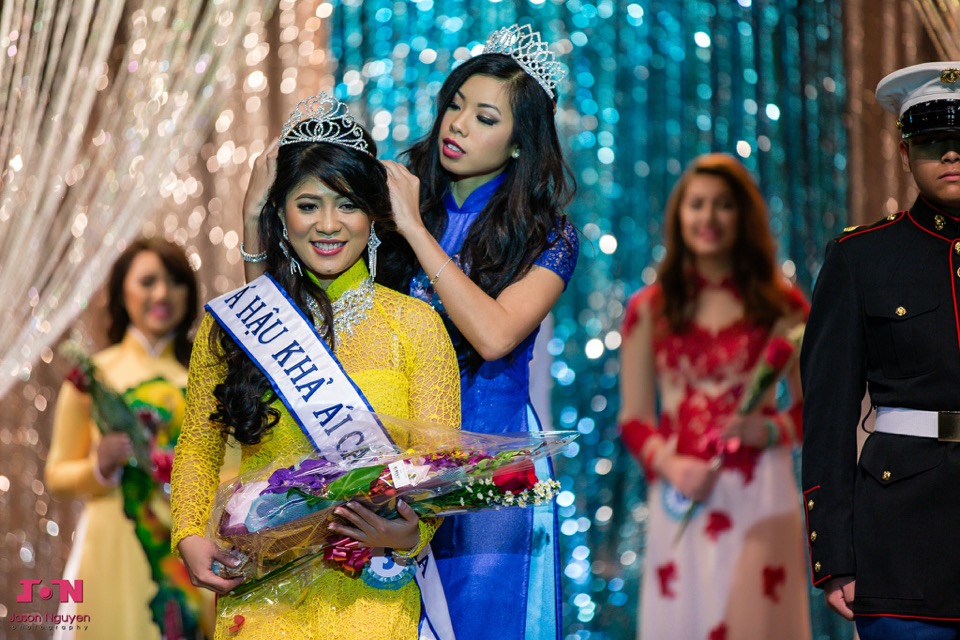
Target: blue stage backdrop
[[651, 84]]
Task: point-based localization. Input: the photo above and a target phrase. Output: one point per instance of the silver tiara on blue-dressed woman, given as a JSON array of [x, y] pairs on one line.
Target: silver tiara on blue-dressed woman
[[323, 118], [524, 45]]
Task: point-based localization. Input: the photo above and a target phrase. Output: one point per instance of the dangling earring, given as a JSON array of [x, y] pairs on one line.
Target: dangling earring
[[516, 153], [372, 243], [294, 265]]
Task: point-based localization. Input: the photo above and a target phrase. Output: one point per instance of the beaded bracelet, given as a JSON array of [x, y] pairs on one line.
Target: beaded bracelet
[[252, 257]]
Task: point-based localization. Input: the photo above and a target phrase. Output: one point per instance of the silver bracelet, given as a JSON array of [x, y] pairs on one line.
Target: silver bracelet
[[442, 267], [404, 558], [252, 257]]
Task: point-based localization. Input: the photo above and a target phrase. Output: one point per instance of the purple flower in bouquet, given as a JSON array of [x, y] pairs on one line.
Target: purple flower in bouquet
[[310, 476]]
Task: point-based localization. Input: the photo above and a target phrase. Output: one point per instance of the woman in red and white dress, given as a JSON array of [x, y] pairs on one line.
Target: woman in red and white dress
[[724, 555]]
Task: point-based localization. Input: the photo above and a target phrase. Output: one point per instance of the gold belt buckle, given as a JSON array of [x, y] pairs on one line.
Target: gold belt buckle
[[948, 426]]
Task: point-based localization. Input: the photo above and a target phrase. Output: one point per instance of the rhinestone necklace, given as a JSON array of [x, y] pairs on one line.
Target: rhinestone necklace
[[348, 310]]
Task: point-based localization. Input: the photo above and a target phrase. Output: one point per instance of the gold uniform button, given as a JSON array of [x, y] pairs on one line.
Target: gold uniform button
[[885, 475], [809, 505], [958, 272], [816, 567], [901, 311], [813, 536]]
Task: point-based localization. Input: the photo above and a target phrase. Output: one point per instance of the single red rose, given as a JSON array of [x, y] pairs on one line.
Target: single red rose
[[778, 353], [515, 480], [79, 379]]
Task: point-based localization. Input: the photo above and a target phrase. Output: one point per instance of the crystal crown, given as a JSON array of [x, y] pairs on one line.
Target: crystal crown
[[323, 118], [524, 45]]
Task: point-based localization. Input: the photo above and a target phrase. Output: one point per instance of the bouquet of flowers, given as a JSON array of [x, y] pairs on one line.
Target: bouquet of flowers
[[110, 412], [275, 520], [777, 354]]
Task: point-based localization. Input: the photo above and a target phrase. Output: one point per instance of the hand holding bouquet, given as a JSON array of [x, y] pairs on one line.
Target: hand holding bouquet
[[109, 410], [275, 520]]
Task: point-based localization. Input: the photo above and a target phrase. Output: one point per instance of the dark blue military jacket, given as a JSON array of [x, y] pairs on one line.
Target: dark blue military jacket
[[884, 318]]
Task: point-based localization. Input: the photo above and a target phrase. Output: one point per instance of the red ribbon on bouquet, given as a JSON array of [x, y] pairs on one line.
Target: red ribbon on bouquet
[[348, 552]]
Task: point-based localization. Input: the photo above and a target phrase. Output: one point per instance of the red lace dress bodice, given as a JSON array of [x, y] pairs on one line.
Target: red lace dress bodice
[[702, 376]]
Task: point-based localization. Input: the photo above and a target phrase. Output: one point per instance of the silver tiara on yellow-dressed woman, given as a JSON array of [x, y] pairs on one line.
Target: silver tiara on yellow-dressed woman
[[524, 45], [323, 118]]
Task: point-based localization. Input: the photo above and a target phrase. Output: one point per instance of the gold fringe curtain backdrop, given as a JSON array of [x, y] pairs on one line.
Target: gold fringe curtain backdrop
[[94, 140], [941, 18], [881, 36], [256, 60]]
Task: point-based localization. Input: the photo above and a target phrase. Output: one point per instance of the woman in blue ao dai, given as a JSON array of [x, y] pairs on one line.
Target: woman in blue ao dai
[[484, 241], [482, 212]]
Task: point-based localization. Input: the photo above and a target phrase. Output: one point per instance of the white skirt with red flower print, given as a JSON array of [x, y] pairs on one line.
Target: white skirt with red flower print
[[739, 570]]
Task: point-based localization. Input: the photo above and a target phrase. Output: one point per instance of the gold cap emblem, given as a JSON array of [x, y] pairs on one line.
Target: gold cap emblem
[[939, 222], [949, 76]]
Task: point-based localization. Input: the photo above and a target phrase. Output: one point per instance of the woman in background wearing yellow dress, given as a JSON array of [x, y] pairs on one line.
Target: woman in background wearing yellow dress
[[130, 580], [316, 227]]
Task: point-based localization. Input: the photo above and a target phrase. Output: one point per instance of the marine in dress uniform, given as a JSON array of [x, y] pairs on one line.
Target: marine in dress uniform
[[885, 318]]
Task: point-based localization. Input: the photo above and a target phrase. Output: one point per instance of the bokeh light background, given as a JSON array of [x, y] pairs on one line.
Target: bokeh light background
[[651, 84]]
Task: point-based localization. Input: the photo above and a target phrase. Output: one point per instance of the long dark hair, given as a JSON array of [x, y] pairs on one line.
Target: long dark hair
[[754, 252], [515, 226], [175, 261], [244, 397]]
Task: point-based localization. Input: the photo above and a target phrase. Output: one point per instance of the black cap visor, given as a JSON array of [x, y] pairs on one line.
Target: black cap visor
[[931, 117]]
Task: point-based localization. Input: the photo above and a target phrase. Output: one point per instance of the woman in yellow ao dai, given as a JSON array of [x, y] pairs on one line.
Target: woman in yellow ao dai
[[315, 226]]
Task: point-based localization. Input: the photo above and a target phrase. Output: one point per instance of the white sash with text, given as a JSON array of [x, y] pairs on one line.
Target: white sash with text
[[305, 374], [330, 409]]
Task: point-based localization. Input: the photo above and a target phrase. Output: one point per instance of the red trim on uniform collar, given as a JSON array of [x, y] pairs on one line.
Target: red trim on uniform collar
[[936, 209]]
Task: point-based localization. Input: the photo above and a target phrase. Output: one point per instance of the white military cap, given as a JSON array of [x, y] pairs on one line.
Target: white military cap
[[925, 97]]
